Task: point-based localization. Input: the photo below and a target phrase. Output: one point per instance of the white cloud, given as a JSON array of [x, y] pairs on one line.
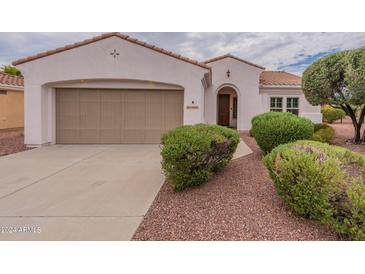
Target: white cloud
[[272, 50]]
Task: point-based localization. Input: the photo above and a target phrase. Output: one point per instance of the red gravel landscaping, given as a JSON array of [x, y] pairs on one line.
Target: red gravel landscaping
[[345, 131], [239, 203], [11, 141]]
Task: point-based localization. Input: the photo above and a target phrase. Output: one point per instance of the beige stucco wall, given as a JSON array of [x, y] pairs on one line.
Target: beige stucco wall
[[305, 108], [244, 79], [11, 109], [135, 64]]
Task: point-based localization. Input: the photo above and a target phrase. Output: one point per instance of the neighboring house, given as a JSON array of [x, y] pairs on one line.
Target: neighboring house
[[11, 101], [116, 89]]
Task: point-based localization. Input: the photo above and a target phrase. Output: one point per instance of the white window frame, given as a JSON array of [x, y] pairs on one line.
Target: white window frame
[[292, 108], [277, 108]]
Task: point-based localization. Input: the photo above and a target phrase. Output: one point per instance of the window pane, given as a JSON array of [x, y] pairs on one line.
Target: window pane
[[295, 102], [294, 111], [276, 102], [279, 102], [235, 108], [292, 102], [272, 102]]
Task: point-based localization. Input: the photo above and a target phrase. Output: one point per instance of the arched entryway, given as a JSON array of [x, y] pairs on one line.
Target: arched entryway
[[227, 107]]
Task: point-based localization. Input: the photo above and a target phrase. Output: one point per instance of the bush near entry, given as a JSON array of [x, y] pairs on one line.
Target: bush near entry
[[192, 154], [322, 182], [331, 114], [323, 133], [271, 129]]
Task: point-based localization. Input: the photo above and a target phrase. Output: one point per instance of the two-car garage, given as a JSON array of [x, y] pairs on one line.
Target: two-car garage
[[111, 89], [112, 116]]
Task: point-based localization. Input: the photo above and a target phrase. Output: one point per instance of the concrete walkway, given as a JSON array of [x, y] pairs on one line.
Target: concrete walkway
[[77, 192], [242, 150]]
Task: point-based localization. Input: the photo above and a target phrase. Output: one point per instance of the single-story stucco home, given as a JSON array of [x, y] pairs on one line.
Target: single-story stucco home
[[116, 89], [11, 101]]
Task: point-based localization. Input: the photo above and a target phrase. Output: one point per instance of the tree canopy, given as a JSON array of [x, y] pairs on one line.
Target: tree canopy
[[11, 70], [339, 80]]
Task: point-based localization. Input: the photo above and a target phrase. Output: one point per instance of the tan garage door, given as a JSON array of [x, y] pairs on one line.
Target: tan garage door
[[90, 116]]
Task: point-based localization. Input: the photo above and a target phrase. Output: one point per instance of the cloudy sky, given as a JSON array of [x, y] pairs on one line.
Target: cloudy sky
[[292, 52]]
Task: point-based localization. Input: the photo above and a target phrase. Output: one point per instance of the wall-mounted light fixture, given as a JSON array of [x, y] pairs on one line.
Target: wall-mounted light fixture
[[228, 73]]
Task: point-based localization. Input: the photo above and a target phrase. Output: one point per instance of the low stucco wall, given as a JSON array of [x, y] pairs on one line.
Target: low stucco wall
[[11, 109]]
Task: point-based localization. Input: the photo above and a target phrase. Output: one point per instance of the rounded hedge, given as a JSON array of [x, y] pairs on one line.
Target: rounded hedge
[[323, 133], [271, 129], [331, 114], [322, 182], [192, 154]]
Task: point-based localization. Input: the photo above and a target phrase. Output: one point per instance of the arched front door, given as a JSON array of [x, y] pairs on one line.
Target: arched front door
[[227, 107]]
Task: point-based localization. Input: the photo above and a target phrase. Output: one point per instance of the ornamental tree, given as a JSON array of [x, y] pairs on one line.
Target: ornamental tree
[[11, 70], [339, 80]]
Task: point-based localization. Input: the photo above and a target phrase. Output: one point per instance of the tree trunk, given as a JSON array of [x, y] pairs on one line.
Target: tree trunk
[[357, 124]]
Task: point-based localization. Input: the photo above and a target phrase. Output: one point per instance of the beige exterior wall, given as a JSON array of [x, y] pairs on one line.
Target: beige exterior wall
[[137, 67], [244, 79], [305, 108], [93, 63], [11, 109], [252, 99]]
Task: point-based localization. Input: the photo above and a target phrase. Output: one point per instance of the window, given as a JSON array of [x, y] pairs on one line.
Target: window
[[292, 105], [234, 107], [3, 92], [276, 104]]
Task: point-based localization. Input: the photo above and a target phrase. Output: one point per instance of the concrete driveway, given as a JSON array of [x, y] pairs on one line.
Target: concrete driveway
[[77, 192]]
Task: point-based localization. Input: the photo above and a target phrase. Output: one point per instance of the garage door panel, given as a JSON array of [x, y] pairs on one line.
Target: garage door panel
[[89, 95], [116, 116], [111, 115], [110, 95], [69, 95], [155, 111], [110, 136], [153, 136], [67, 113], [133, 136], [135, 116], [89, 115], [69, 136]]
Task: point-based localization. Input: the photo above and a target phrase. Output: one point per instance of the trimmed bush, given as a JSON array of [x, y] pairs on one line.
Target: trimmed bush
[[331, 114], [323, 133], [275, 128], [192, 154], [322, 182]]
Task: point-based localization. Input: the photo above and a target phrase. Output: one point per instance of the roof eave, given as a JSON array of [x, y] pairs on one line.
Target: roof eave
[[11, 87], [105, 36], [281, 86], [235, 58]]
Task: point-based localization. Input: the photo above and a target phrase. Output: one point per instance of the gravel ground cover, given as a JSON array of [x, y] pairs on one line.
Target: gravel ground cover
[[239, 203], [345, 131], [11, 141]]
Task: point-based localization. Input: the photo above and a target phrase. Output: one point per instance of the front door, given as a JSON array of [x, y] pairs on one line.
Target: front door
[[223, 109]]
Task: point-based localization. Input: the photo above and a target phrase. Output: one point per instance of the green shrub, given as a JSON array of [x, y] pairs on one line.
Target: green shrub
[[331, 114], [192, 154], [274, 128], [322, 182], [323, 133]]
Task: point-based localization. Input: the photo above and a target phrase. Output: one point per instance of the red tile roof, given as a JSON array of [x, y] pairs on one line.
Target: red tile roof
[[279, 78], [233, 57], [11, 80], [104, 36]]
